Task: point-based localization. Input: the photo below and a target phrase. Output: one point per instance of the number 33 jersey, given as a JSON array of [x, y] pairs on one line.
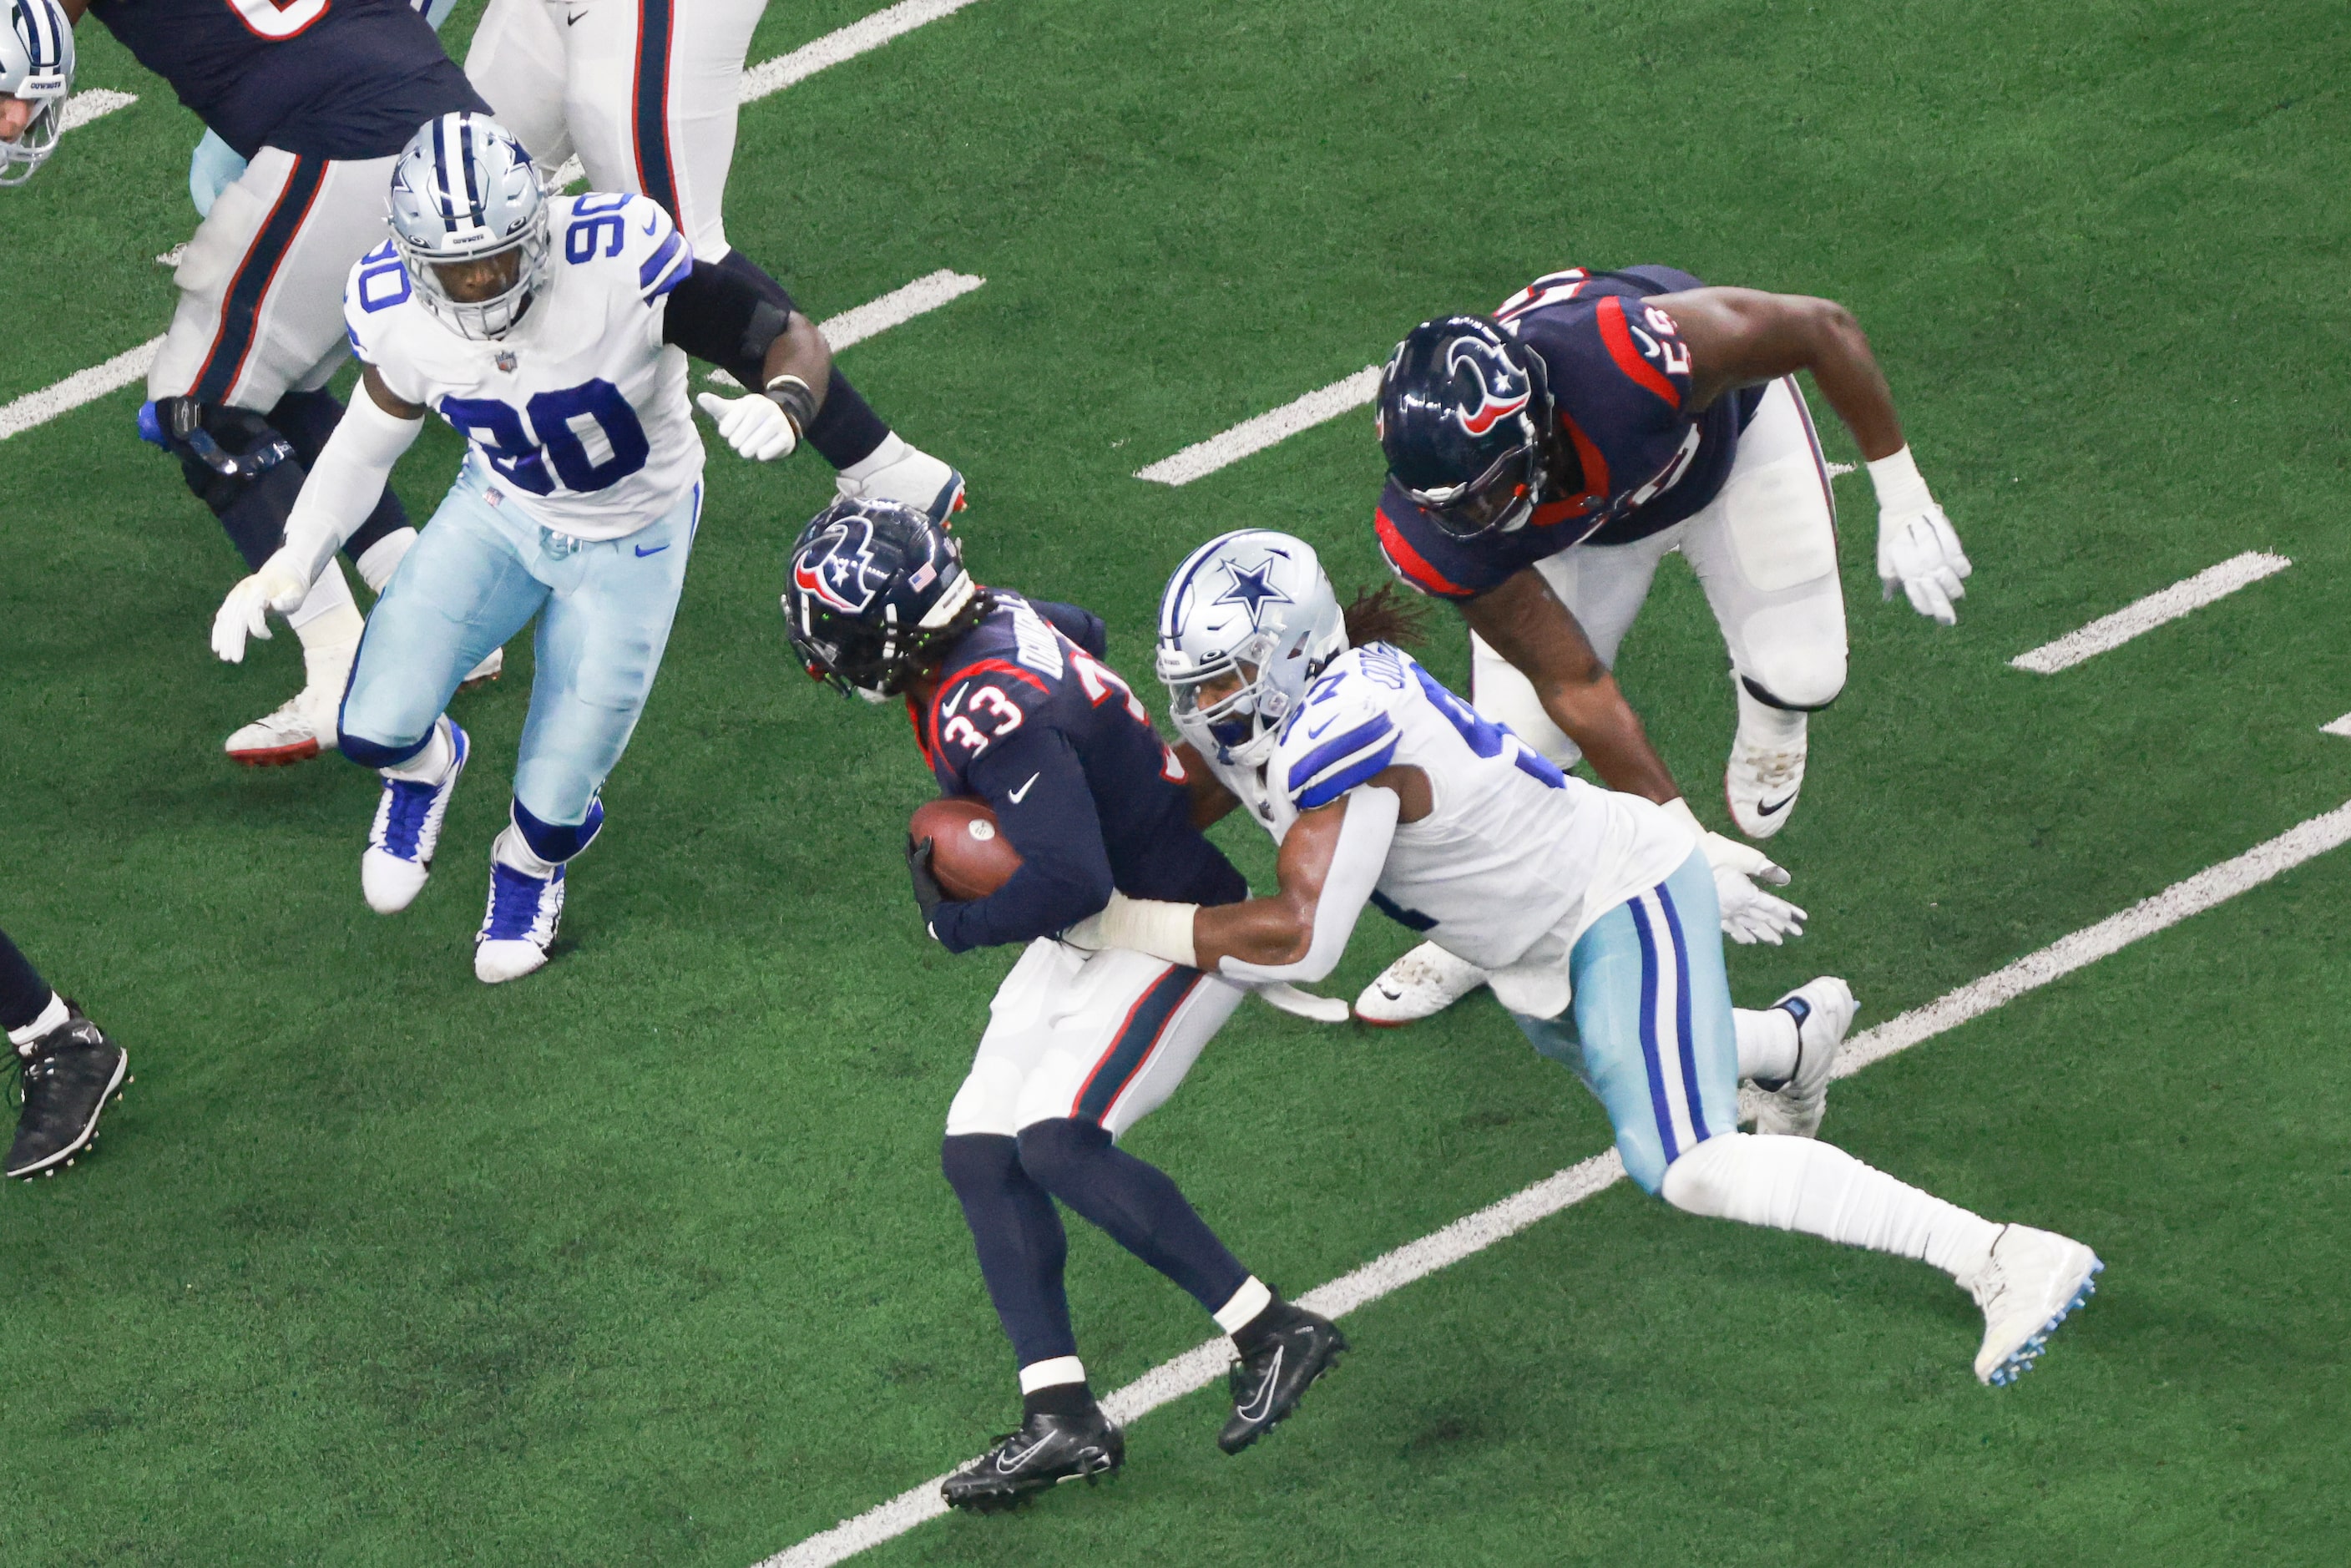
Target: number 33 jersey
[[1513, 849], [578, 417]]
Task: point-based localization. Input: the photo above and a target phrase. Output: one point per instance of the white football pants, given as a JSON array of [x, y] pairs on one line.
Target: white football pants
[[1765, 551], [645, 92], [1101, 1036]]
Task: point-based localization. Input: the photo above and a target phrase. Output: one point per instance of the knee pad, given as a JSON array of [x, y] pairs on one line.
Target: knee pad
[[236, 462], [554, 843], [1054, 1151], [1799, 691]]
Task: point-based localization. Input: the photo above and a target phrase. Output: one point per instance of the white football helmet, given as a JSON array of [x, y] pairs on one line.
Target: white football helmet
[[466, 190], [36, 65], [1255, 604]]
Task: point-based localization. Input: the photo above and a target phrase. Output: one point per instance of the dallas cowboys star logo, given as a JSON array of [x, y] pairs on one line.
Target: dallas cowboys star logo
[[1250, 590]]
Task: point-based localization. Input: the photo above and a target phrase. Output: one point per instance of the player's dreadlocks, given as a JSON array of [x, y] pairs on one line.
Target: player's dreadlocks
[[1385, 615]]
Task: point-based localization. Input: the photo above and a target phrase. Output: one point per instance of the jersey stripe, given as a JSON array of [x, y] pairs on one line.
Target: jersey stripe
[[240, 315], [1408, 563], [1618, 336], [1359, 771], [1658, 1104], [1682, 1029], [1132, 1046], [650, 94], [1338, 748], [648, 275]]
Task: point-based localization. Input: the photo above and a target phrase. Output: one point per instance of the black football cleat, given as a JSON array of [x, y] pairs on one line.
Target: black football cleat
[[1269, 1382], [1045, 1452], [68, 1076]]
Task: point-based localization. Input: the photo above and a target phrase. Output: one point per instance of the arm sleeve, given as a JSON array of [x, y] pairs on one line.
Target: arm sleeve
[[716, 316], [1082, 627], [347, 480], [1355, 865], [1064, 872]]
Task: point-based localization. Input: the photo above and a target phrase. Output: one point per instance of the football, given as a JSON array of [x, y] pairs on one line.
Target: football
[[968, 856]]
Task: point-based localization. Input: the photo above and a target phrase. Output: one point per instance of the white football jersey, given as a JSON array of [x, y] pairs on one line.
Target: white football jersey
[[578, 417], [1513, 852]]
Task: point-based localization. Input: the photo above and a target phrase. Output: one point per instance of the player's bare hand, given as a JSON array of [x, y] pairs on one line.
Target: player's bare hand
[[755, 426], [1917, 549], [278, 585]]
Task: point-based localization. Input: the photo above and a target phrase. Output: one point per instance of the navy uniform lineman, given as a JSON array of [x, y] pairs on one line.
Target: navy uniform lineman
[[645, 92], [552, 333], [1012, 703], [1544, 460], [320, 97], [1591, 908]]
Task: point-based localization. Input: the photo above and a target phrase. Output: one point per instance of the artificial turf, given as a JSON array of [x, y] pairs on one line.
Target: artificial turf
[[647, 1260]]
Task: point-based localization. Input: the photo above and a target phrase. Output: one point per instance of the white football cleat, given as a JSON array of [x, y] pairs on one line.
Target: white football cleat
[[911, 476], [1766, 772], [1823, 1010], [2031, 1281], [520, 925], [1422, 983], [295, 731], [399, 857], [489, 670]]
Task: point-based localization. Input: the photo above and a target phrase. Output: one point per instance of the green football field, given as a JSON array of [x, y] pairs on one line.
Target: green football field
[[647, 1259]]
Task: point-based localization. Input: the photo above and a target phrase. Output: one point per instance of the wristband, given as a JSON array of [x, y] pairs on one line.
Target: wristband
[[1151, 925], [798, 403], [1900, 489]]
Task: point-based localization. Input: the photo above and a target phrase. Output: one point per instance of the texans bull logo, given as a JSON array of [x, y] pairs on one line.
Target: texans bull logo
[[840, 576], [1476, 357]]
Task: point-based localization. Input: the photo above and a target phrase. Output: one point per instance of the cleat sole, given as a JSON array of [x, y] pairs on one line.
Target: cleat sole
[[2021, 1360]]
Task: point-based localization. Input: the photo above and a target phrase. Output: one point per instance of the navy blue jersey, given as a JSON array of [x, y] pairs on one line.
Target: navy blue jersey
[[327, 79], [1028, 718], [1619, 377]]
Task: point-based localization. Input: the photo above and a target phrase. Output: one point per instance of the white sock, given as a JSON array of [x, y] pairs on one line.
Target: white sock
[[1767, 1042], [1252, 1298], [1775, 728], [431, 765], [892, 447], [514, 851], [381, 558], [1052, 1372], [51, 1016], [1802, 1184]]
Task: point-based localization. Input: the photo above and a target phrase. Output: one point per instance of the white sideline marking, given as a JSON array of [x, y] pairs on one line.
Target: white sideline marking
[[2109, 632], [1256, 434], [860, 37], [896, 308], [2340, 727], [81, 387], [84, 107], [1198, 1367]]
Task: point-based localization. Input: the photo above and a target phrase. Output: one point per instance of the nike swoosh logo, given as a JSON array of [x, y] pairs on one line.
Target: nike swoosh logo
[[653, 221], [955, 701], [1776, 807], [1015, 796], [1257, 1409], [1316, 733], [571, 18], [642, 551]]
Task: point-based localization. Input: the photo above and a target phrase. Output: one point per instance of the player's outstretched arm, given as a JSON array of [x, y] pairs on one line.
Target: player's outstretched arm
[[341, 488], [716, 315], [1740, 337]]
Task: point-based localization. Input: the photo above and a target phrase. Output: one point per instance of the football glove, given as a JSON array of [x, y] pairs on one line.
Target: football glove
[[757, 426], [1917, 550], [928, 893], [1749, 914], [279, 585]]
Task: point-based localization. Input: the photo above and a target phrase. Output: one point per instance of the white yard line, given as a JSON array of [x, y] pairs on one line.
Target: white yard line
[[84, 107], [2110, 632], [896, 308], [81, 387], [1202, 1365], [861, 36], [1267, 429], [2340, 727]]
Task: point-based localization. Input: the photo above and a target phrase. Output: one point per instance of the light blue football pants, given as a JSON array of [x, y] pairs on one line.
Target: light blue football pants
[[476, 576], [1652, 1033]]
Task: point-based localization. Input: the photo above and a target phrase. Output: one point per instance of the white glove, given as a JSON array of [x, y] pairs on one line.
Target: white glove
[[1749, 914], [755, 426], [1917, 548], [279, 585]]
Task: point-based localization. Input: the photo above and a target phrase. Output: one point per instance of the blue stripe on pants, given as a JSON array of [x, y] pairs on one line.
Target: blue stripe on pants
[[476, 576], [1661, 1058]]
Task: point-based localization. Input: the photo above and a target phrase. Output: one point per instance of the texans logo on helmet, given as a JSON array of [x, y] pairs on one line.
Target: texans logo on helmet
[[1490, 411], [838, 576]]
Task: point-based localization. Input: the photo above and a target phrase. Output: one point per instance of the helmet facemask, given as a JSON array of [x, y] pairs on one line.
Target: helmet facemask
[[486, 319], [36, 66], [1244, 626], [1240, 724], [465, 192]]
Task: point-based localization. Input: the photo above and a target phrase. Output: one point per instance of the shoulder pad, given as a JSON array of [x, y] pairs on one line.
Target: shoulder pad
[[626, 232], [1344, 732]]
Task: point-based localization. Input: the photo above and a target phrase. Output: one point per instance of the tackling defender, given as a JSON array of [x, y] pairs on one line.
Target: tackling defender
[[560, 354], [1592, 910], [1544, 460], [320, 97], [1010, 702]]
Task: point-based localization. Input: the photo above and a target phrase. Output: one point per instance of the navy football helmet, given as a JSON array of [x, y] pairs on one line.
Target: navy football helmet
[[1463, 413], [875, 592]]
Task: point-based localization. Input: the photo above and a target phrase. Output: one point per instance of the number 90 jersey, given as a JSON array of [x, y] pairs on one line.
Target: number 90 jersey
[[1514, 850], [578, 416]]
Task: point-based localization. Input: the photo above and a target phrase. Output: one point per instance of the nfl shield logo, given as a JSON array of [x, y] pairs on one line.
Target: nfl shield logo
[[505, 361]]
